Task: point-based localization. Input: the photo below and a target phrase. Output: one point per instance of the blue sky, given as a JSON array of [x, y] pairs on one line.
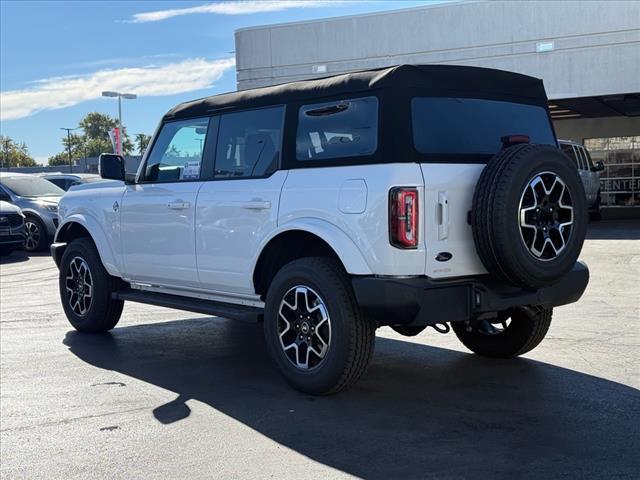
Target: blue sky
[[55, 57]]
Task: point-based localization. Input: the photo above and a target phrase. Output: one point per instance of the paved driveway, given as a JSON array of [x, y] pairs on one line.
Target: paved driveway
[[175, 395]]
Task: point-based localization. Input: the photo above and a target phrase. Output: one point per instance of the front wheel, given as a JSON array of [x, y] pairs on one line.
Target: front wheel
[[314, 329], [36, 235], [510, 334], [86, 288]]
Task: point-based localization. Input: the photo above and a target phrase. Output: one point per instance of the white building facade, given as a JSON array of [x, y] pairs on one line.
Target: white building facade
[[587, 53]]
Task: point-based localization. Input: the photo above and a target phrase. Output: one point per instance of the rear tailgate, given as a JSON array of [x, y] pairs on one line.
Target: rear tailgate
[[458, 136], [448, 199]]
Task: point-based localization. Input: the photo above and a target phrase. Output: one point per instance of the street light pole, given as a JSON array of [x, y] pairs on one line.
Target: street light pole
[[69, 130], [127, 96]]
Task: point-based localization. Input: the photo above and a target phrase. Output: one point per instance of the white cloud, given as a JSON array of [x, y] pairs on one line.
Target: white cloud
[[231, 8], [61, 92]]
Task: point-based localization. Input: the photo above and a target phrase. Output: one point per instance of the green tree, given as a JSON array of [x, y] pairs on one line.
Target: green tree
[[142, 142], [58, 159], [93, 140], [15, 154]]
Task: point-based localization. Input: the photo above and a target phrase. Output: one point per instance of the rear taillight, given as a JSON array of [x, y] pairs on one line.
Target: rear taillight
[[403, 217]]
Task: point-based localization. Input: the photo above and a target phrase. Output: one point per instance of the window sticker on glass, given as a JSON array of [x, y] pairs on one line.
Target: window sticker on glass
[[178, 151], [191, 171]]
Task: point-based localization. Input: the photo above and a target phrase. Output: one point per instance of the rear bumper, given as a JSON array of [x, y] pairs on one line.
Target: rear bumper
[[423, 301]]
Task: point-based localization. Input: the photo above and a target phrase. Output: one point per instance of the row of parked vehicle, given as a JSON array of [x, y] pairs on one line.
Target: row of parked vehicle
[[29, 207]]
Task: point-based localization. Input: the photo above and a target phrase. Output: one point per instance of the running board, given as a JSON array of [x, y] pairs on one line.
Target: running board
[[208, 307]]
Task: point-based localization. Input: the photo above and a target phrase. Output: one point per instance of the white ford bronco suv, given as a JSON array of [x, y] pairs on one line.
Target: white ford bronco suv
[[409, 196]]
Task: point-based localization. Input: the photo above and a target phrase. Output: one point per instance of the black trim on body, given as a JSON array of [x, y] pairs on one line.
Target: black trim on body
[[208, 307], [422, 301], [57, 249]]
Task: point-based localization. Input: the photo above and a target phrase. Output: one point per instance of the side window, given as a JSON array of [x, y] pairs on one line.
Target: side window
[[589, 161], [581, 159], [177, 153], [585, 160], [249, 143], [4, 195], [571, 153], [342, 128]]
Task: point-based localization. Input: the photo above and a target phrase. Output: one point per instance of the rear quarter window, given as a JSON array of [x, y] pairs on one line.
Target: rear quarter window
[[446, 125], [337, 129]]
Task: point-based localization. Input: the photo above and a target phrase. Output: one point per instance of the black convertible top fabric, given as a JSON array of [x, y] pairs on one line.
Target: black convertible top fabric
[[429, 80]]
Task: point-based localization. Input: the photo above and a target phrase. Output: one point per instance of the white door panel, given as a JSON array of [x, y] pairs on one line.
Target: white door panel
[[233, 217], [158, 238], [448, 199]]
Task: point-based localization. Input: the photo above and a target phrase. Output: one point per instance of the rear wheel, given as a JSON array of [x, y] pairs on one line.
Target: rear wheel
[[86, 288], [314, 329], [510, 334]]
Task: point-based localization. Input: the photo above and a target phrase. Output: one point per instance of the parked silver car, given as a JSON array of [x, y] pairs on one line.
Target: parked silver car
[[12, 234], [67, 180], [589, 174], [38, 199]]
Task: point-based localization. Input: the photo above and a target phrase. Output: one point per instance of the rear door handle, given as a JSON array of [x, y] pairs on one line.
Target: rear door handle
[[179, 205], [257, 205], [443, 226]]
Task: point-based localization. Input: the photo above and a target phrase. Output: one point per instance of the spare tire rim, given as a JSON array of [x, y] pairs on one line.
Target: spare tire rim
[[546, 216], [79, 284], [304, 327]]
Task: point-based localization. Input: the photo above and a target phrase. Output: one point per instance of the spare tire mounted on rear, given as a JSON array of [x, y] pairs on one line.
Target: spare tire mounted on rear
[[529, 215]]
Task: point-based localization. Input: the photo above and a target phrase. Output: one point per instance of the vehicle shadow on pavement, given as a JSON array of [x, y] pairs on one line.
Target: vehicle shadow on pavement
[[16, 256], [420, 411]]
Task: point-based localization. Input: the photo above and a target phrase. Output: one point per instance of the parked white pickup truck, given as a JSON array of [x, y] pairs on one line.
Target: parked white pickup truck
[[409, 196]]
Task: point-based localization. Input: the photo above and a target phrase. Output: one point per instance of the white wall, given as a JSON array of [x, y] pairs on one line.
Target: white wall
[[596, 43]]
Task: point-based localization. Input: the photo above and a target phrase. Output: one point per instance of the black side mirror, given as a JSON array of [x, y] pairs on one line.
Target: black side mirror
[[111, 166], [598, 167]]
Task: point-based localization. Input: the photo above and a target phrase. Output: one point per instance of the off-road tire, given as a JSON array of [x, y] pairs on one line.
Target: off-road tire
[[103, 312], [495, 215], [528, 327], [352, 335]]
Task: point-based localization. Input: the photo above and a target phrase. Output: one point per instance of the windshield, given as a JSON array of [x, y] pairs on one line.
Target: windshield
[[471, 126], [32, 187]]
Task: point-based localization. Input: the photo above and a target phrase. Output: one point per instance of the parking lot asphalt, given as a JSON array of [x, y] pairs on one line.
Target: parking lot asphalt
[[169, 394]]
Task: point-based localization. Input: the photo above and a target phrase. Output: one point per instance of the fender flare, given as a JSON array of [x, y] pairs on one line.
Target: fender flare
[[99, 238], [347, 251]]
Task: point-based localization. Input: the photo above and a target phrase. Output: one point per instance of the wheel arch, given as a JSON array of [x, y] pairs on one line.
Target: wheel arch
[[304, 239], [79, 226]]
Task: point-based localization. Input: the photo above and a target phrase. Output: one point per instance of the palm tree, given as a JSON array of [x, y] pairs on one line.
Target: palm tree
[[142, 141]]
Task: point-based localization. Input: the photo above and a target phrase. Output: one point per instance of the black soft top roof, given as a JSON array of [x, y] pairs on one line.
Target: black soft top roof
[[436, 80]]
